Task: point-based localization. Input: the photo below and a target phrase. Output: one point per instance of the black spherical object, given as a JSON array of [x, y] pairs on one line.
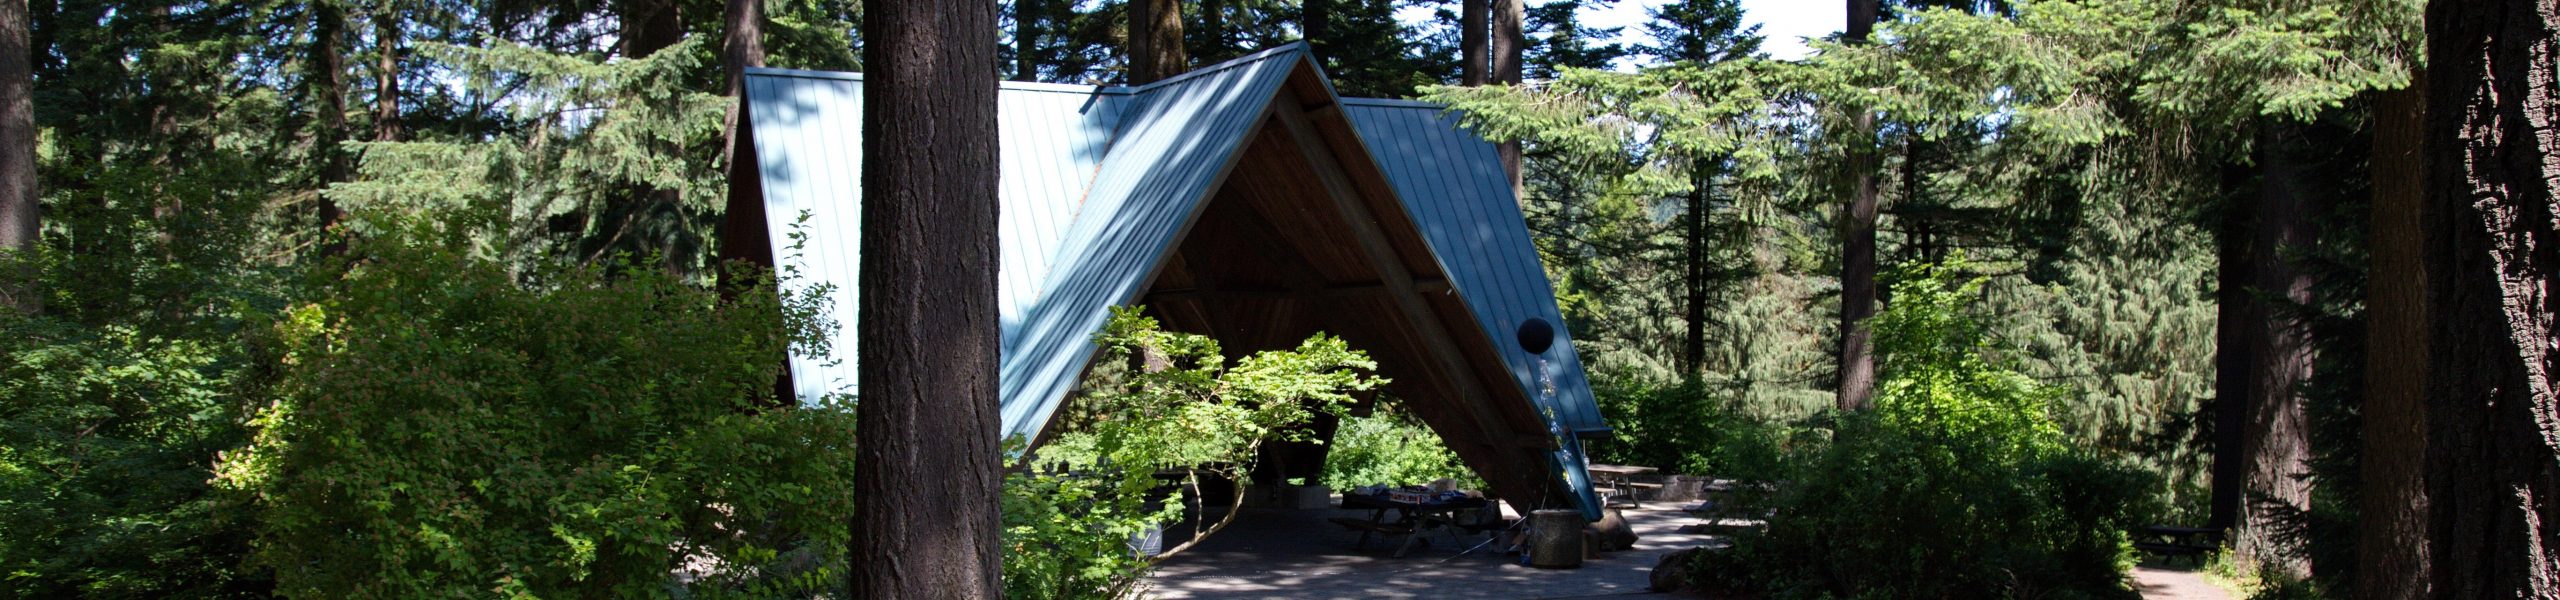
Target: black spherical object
[[1536, 335]]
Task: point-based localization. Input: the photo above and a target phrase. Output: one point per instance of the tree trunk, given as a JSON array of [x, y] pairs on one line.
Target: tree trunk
[[1155, 40], [1213, 28], [1858, 242], [2275, 441], [2391, 504], [1693, 346], [1315, 22], [2234, 317], [650, 25], [1026, 39], [18, 200], [926, 480], [386, 66], [1471, 34], [328, 75], [741, 48], [1509, 41], [744, 235], [2492, 265]]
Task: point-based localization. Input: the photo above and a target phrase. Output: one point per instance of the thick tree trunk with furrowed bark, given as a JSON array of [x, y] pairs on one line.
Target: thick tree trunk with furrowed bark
[[2275, 443], [2391, 504], [2492, 266], [1155, 41], [926, 479], [2234, 317]]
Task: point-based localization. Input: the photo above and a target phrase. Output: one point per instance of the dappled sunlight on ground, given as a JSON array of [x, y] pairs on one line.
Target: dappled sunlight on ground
[[1275, 553]]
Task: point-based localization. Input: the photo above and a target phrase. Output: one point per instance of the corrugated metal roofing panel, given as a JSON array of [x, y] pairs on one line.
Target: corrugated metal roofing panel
[[1453, 184], [808, 132], [1098, 182], [1177, 139], [807, 126]]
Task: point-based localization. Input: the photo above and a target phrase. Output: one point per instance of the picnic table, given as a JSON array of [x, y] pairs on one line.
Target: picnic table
[[1618, 482], [2170, 542], [1413, 520]]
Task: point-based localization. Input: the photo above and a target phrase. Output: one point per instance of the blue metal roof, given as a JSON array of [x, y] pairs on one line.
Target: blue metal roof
[[1453, 184], [1097, 184]]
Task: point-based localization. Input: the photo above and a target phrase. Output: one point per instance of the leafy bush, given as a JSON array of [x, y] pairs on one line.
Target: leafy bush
[[104, 438], [1686, 427], [115, 399], [1957, 484], [442, 429], [1156, 400], [1390, 447]]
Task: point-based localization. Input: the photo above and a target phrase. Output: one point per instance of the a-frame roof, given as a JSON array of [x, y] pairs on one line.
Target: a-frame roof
[[1098, 184]]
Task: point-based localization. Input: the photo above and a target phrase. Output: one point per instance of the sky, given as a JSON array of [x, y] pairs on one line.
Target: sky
[[1784, 22]]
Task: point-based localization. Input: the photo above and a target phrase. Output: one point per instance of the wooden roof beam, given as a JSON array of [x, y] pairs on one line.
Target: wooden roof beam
[[1400, 282]]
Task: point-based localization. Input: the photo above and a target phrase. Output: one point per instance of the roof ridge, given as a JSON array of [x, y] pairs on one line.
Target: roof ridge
[[1299, 47]]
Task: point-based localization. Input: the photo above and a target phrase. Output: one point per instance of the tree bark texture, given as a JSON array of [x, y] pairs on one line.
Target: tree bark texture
[[386, 79], [743, 233], [1509, 41], [1155, 41], [2391, 503], [328, 77], [2275, 442], [1471, 41], [741, 48], [2234, 317], [926, 481], [1858, 241], [2492, 265], [18, 200]]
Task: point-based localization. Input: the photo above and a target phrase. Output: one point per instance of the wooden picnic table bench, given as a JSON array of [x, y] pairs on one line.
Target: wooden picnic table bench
[[1617, 482], [2172, 542], [1414, 521]]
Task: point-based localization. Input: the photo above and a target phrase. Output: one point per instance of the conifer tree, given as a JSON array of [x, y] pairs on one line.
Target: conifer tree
[[1155, 41], [18, 199], [1858, 237], [2493, 381], [928, 323]]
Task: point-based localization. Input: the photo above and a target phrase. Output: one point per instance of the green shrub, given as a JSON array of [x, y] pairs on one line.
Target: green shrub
[[104, 438], [1957, 484], [1156, 400], [1390, 447], [1684, 427], [445, 429], [115, 399]]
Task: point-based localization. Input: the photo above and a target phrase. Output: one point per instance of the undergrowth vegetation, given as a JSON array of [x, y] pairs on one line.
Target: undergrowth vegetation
[[440, 428], [1956, 484], [1157, 403]]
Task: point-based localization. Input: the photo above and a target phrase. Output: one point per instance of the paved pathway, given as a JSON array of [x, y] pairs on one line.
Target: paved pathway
[[2157, 583], [1297, 554], [1273, 553]]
